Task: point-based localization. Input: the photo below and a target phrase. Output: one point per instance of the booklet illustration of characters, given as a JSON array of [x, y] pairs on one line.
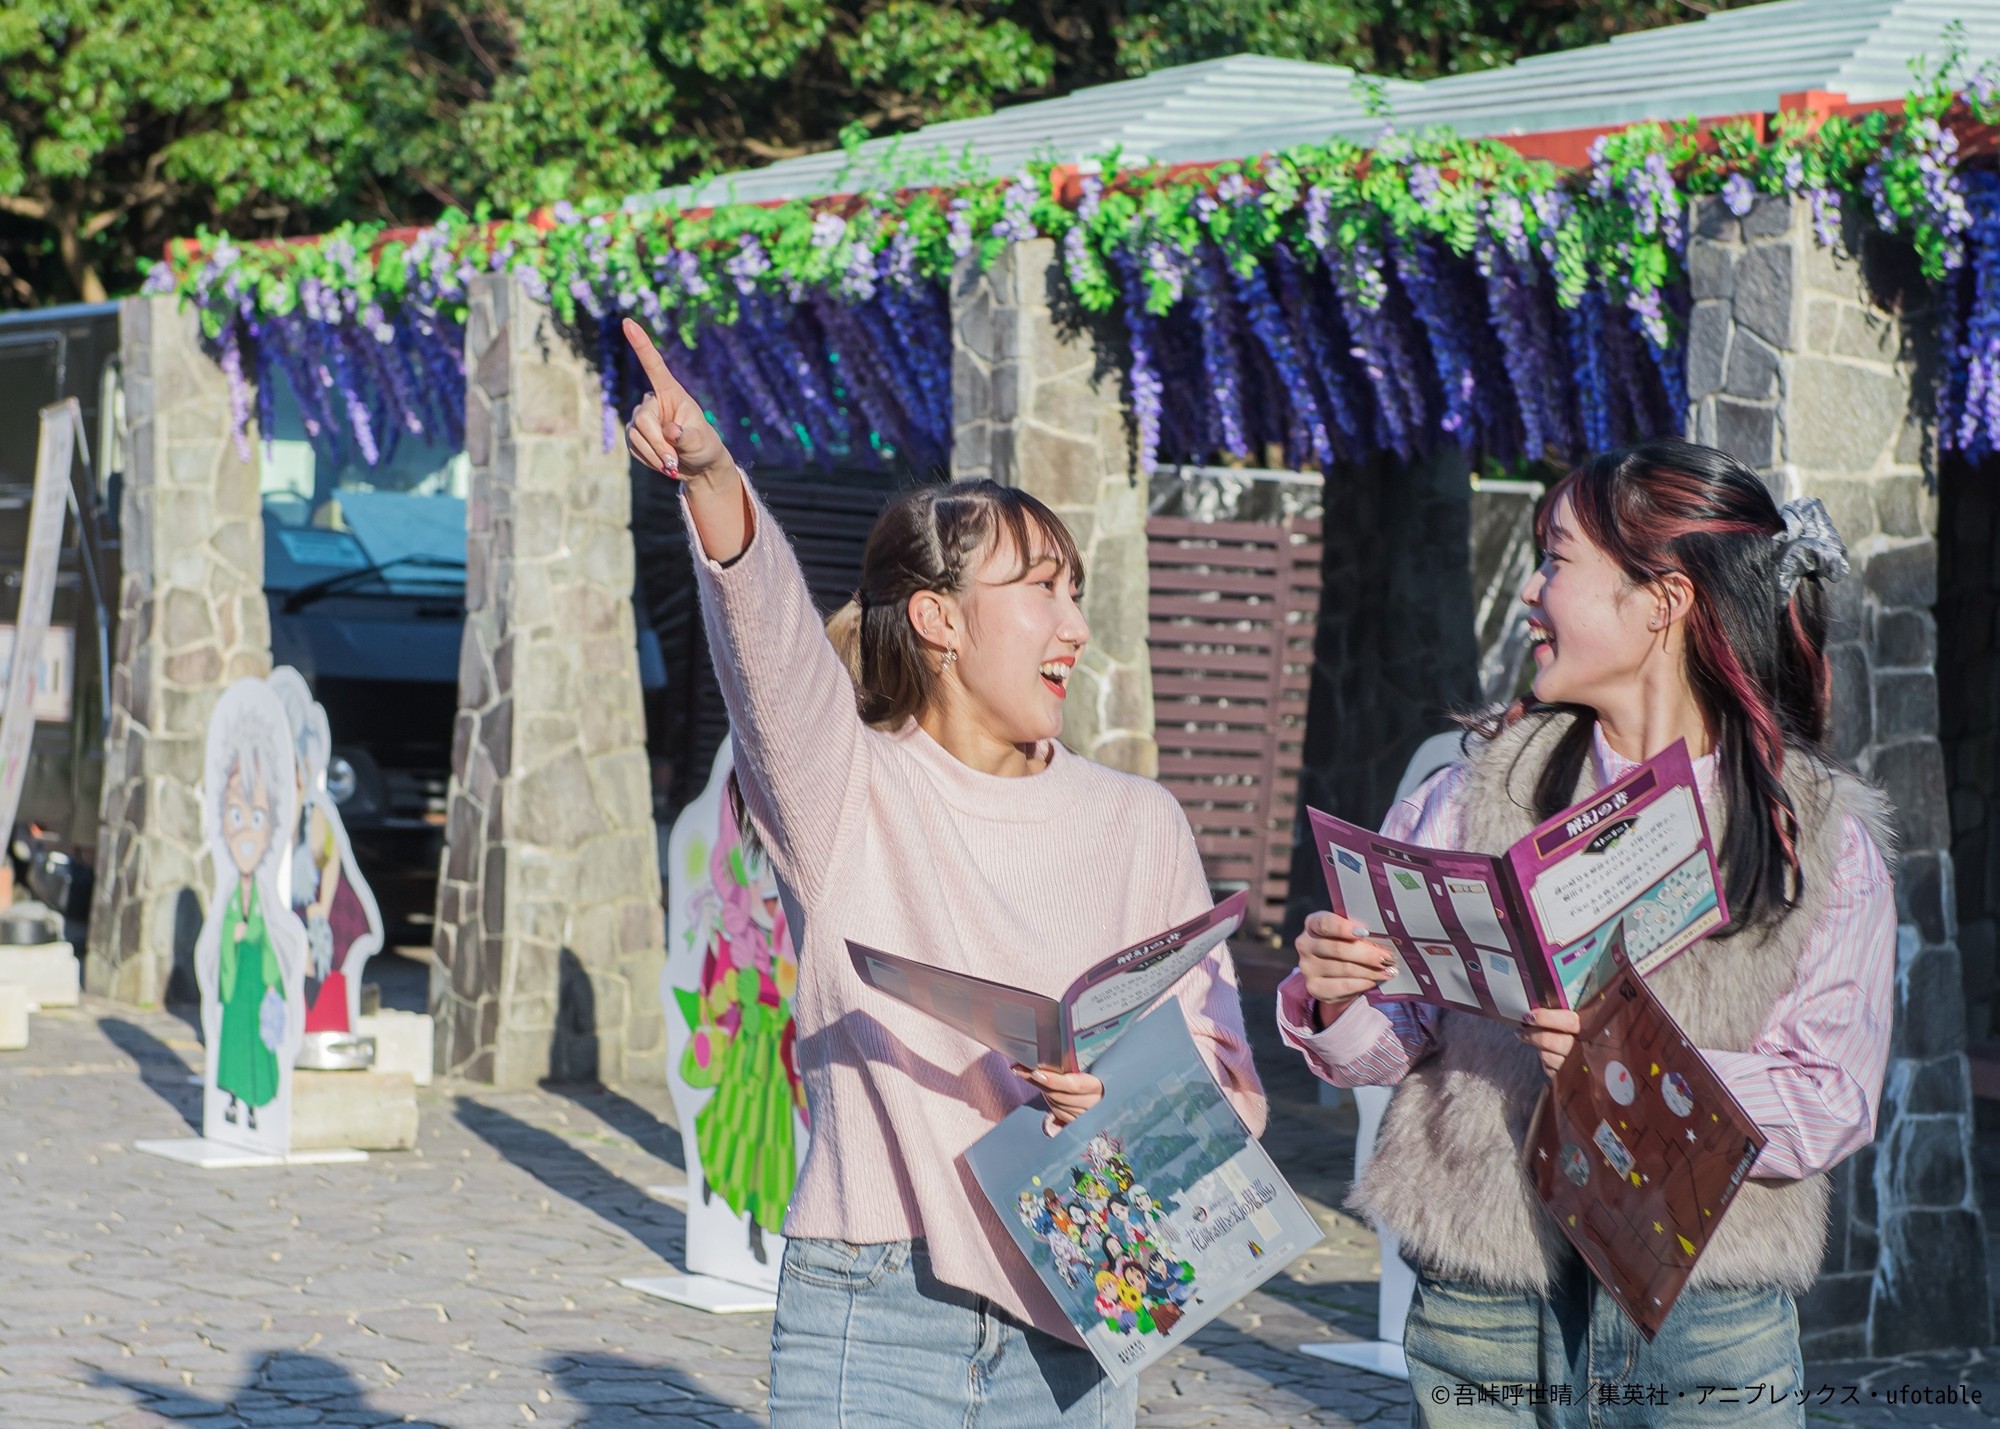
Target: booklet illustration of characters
[[1151, 1213], [1499, 935], [1064, 1033], [1637, 1148]]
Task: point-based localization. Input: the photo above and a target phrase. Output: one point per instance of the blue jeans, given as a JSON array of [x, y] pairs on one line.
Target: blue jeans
[[1573, 1361], [866, 1335]]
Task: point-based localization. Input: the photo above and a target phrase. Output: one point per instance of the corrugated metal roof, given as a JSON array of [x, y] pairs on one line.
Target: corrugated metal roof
[[1731, 62], [1187, 104]]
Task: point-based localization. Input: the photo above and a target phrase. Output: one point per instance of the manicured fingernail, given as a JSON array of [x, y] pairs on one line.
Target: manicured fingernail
[[1527, 1019], [1360, 930]]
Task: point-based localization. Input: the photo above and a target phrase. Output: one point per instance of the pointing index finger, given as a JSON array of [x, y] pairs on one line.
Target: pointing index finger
[[655, 366]]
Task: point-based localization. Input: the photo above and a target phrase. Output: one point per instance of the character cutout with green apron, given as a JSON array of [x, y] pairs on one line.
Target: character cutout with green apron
[[250, 955]]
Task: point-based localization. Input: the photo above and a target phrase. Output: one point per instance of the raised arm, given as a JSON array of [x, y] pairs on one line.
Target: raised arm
[[671, 434], [801, 751]]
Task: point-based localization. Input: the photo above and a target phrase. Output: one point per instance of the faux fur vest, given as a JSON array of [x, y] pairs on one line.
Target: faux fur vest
[[1446, 1175]]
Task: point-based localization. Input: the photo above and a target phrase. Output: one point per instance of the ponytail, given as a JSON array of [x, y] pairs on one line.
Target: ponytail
[[843, 629]]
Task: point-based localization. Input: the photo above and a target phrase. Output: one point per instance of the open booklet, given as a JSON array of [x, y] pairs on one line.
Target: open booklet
[[1064, 1033], [1499, 935], [1151, 1213], [1637, 1148]]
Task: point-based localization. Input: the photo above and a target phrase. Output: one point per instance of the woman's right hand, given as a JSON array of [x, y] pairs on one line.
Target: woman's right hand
[[669, 432], [1338, 964]]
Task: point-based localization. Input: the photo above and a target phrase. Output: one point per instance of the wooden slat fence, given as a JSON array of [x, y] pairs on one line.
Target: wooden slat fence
[[1233, 609]]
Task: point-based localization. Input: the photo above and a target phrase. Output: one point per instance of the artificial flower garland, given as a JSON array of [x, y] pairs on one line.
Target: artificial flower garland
[[1332, 300]]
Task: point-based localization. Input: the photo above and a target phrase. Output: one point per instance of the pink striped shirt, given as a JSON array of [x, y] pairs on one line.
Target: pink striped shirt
[[1812, 1079]]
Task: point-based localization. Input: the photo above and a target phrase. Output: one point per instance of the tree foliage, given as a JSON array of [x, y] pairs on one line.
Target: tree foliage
[[124, 123]]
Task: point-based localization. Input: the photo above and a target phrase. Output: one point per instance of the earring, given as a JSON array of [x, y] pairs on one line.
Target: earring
[[950, 658]]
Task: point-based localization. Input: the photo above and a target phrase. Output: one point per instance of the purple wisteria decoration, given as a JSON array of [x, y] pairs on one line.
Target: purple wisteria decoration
[[1508, 304], [1583, 325], [1314, 330], [1417, 267], [1307, 428], [1224, 393], [1969, 403], [1143, 381]]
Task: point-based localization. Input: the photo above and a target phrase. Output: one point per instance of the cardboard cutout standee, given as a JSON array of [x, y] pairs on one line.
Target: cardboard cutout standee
[[250, 956], [731, 1067], [343, 923]]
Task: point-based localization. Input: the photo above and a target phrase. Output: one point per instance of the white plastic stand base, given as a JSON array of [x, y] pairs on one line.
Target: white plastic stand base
[[705, 1292], [216, 1156], [1375, 1356], [677, 1194]]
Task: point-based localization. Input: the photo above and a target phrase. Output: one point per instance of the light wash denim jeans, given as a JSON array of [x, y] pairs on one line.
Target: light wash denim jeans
[[867, 1336], [1573, 1361]]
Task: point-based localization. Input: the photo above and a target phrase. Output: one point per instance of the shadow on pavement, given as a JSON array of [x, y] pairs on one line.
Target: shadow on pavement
[[616, 1391], [273, 1393], [160, 1067], [572, 1173], [622, 1114]]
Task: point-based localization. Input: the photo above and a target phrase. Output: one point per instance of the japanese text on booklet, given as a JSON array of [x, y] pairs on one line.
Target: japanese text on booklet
[[1637, 1148], [1499, 935], [1151, 1213], [1066, 1033]]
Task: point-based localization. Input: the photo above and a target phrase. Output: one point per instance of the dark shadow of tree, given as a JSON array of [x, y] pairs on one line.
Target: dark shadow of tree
[[615, 1391], [272, 1393], [577, 1176], [160, 1067]]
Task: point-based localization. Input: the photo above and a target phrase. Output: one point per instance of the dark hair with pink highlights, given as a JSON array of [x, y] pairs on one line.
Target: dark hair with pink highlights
[[1756, 660]]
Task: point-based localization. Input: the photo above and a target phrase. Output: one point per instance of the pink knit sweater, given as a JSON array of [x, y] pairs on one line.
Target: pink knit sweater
[[889, 840]]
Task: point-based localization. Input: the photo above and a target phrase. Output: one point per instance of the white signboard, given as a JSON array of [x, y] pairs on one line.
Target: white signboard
[[60, 425], [55, 677]]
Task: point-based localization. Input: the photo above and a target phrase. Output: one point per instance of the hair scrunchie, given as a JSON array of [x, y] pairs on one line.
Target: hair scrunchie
[[1808, 546]]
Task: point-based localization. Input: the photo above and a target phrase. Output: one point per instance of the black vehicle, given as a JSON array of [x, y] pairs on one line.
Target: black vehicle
[[364, 571]]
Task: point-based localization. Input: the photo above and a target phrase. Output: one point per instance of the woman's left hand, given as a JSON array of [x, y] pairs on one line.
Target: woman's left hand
[[1551, 1031], [1068, 1094]]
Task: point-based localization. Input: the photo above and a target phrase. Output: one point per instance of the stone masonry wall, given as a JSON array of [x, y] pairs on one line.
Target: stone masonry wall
[[550, 928], [1035, 406], [1808, 364], [191, 619]]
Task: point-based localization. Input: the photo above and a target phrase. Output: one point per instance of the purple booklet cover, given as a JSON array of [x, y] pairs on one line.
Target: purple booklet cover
[[1529, 928], [1066, 1033]]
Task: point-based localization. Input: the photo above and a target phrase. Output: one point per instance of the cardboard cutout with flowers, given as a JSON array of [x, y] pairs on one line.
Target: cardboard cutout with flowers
[[732, 1067]]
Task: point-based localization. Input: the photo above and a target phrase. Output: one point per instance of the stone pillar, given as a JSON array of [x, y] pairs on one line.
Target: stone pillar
[[1804, 362], [550, 929], [191, 619], [1037, 404]]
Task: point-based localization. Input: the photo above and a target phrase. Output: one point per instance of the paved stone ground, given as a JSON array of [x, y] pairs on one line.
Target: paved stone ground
[[472, 1282]]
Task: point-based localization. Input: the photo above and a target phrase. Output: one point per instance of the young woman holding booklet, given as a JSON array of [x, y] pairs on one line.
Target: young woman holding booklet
[[1675, 600], [916, 797]]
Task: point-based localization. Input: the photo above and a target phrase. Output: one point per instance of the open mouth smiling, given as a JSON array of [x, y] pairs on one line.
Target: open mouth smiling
[[1055, 676]]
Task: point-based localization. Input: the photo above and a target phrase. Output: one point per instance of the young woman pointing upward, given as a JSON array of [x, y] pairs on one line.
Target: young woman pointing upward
[[914, 796]]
